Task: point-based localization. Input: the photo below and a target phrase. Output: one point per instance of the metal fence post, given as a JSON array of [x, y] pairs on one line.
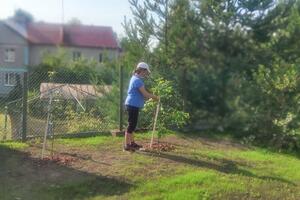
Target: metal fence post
[[5, 123], [24, 106], [5, 117], [121, 99]]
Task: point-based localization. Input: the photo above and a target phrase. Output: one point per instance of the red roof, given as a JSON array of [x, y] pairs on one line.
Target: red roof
[[42, 33], [72, 35]]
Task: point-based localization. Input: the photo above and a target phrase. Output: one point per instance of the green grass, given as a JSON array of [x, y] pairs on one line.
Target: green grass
[[281, 165], [103, 139], [200, 169], [178, 187], [200, 184], [14, 145], [266, 162], [88, 142], [270, 171]]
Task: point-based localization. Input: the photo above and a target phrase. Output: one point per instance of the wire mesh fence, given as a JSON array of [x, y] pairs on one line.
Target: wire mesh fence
[[38, 103], [11, 104], [34, 104]]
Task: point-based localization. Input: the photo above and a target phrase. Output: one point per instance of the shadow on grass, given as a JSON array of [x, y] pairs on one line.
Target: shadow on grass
[[74, 155], [82, 157], [212, 135], [235, 141], [224, 166], [24, 177], [209, 138]]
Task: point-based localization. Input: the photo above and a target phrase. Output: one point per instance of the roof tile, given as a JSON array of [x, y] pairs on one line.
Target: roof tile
[[72, 35]]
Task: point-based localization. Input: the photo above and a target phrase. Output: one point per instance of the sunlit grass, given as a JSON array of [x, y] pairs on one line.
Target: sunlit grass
[[202, 169], [14, 145], [89, 141]]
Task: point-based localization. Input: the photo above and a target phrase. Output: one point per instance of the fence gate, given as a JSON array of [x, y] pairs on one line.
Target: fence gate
[[35, 104]]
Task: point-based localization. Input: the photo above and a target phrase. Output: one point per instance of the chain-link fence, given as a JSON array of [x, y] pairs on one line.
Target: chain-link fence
[[11, 103], [33, 104], [38, 103]]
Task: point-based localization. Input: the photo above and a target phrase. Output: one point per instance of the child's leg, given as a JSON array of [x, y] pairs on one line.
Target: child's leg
[[132, 138], [133, 113], [127, 138]]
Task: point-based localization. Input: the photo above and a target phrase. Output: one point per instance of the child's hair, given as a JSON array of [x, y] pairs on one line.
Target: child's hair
[[138, 70]]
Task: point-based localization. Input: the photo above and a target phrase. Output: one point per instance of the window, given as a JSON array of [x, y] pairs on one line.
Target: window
[[10, 79], [76, 55], [100, 58], [10, 55]]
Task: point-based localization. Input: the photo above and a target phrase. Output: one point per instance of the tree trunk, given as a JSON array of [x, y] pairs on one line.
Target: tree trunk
[[184, 88]]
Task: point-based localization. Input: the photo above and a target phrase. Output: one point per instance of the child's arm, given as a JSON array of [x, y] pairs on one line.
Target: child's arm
[[148, 95]]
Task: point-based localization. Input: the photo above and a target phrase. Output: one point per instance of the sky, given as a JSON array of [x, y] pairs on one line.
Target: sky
[[90, 12]]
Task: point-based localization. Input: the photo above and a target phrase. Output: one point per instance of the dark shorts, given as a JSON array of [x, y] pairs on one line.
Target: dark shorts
[[133, 114]]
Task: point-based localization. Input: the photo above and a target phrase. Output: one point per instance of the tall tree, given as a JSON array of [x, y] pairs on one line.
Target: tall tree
[[165, 30], [219, 51], [23, 16], [74, 21]]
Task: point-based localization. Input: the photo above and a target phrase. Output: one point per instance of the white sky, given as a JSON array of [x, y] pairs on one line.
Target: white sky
[[90, 12]]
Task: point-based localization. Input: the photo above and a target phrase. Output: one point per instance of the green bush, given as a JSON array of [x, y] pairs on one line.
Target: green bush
[[85, 122], [272, 103], [36, 107], [65, 70], [108, 105], [170, 115]]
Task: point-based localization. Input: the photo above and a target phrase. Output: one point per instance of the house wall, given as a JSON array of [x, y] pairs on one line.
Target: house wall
[[37, 52], [29, 54], [10, 39], [4, 89]]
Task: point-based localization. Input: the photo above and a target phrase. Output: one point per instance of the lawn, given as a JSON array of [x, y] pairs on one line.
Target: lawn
[[36, 126], [198, 168]]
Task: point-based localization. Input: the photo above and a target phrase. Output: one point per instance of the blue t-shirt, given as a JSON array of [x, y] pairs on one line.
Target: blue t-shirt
[[134, 96]]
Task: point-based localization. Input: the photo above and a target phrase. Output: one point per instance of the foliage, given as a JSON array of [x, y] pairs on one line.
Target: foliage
[[74, 21], [170, 112], [85, 122], [81, 71], [60, 68], [108, 105], [224, 56], [23, 16], [36, 106], [275, 107]]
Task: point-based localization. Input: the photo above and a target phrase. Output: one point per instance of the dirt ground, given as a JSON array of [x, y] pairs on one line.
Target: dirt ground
[[104, 170]]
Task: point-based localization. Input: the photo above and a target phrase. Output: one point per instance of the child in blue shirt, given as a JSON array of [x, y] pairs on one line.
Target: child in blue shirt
[[135, 101]]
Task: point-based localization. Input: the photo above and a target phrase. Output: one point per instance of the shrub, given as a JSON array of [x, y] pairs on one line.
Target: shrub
[[170, 115], [272, 103]]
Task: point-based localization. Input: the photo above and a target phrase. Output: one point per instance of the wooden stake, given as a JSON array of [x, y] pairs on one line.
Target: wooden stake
[[154, 125], [47, 126]]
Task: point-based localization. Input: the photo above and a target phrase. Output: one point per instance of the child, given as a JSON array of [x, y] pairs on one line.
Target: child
[[134, 101]]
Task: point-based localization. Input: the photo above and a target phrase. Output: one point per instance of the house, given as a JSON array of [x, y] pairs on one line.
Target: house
[[24, 44]]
